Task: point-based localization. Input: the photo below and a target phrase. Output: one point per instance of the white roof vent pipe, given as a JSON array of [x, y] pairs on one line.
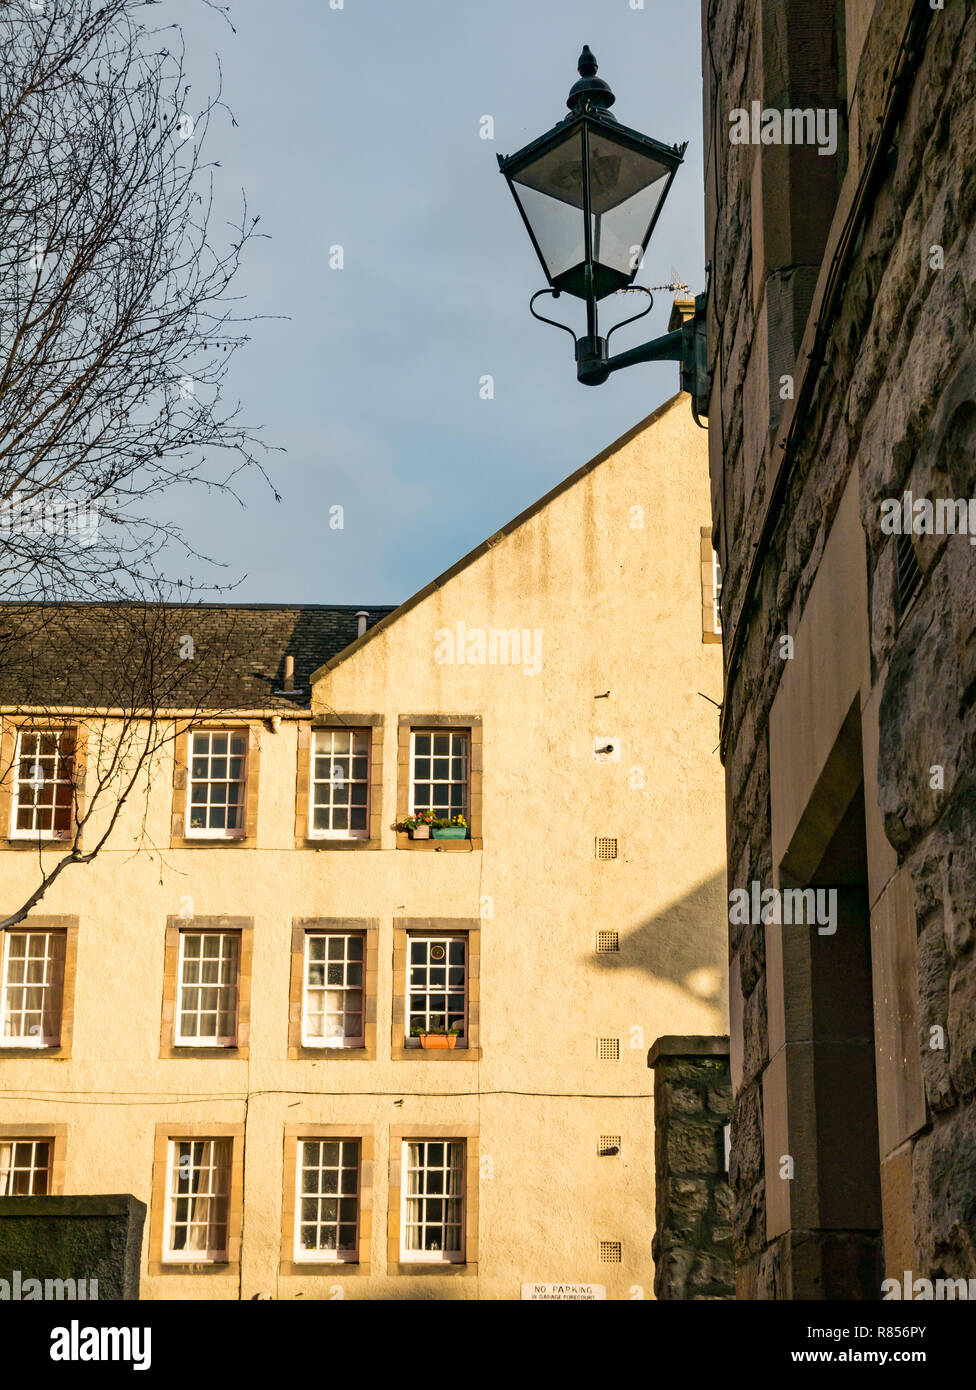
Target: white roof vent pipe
[[362, 618]]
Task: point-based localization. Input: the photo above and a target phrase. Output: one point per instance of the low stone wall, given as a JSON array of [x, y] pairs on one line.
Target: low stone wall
[[70, 1247], [692, 1100]]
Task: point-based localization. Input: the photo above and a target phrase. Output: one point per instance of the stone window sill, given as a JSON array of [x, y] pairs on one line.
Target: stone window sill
[[438, 1054], [310, 842], [450, 846], [203, 842], [190, 1050], [305, 1053]]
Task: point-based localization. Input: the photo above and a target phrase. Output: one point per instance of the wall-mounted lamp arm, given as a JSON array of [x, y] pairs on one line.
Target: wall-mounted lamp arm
[[593, 365], [685, 345]]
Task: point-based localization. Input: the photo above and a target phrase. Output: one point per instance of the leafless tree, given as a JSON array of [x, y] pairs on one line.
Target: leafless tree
[[117, 322]]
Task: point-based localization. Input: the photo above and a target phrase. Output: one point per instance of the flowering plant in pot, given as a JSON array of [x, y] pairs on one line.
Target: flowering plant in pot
[[420, 824], [435, 1038], [456, 829]]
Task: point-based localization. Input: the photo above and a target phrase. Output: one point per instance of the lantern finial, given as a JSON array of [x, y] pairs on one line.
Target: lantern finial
[[587, 65]]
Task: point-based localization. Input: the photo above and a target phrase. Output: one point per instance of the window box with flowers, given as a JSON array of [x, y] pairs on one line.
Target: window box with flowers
[[426, 826], [436, 1039], [418, 827], [456, 829]]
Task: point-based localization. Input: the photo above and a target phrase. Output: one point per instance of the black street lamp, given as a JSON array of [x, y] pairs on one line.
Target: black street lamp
[[590, 192]]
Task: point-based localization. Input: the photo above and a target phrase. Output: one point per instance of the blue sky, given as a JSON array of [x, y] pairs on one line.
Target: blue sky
[[360, 127]]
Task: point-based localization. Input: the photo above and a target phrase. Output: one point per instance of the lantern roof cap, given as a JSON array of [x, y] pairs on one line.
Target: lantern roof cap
[[590, 93]]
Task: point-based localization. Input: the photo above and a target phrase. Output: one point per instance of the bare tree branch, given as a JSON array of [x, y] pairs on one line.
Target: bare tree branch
[[117, 322], [142, 688], [117, 327]]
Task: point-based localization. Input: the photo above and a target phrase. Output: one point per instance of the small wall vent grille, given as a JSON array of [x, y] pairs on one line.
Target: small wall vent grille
[[611, 1252], [606, 847], [609, 1145], [607, 941], [608, 1049]]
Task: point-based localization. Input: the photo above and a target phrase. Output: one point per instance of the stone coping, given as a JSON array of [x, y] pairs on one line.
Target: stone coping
[[690, 1046], [122, 1204]]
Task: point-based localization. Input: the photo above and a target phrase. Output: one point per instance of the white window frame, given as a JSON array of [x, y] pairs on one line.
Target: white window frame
[[452, 733], [324, 1255], [53, 980], [431, 1256], [19, 782], [716, 592], [435, 939], [8, 1155], [313, 782], [213, 1254], [193, 832], [182, 1039], [346, 1041]]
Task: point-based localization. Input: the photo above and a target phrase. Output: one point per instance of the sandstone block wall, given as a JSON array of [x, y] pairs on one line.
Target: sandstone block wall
[[893, 405]]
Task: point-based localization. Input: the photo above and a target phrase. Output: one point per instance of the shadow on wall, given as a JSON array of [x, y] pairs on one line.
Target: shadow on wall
[[687, 944]]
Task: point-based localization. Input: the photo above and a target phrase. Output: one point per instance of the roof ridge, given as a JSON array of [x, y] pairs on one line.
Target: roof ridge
[[197, 603]]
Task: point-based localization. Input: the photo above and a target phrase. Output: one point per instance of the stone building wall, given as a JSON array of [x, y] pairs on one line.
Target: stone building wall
[[693, 1237], [843, 360], [635, 941]]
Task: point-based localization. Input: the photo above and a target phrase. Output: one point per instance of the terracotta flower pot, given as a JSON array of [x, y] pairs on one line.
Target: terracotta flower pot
[[438, 1041]]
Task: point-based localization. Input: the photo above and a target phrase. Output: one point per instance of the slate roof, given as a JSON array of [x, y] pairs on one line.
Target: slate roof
[[103, 655]]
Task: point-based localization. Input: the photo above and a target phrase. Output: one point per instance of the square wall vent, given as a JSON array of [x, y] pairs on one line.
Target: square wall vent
[[608, 1049], [609, 1145], [606, 847], [611, 1252], [607, 941]]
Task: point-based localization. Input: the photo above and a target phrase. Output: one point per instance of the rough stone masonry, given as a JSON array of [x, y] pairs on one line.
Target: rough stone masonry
[[693, 1235], [890, 402]]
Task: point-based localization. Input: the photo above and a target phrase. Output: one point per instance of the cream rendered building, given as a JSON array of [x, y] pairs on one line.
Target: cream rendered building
[[548, 688]]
